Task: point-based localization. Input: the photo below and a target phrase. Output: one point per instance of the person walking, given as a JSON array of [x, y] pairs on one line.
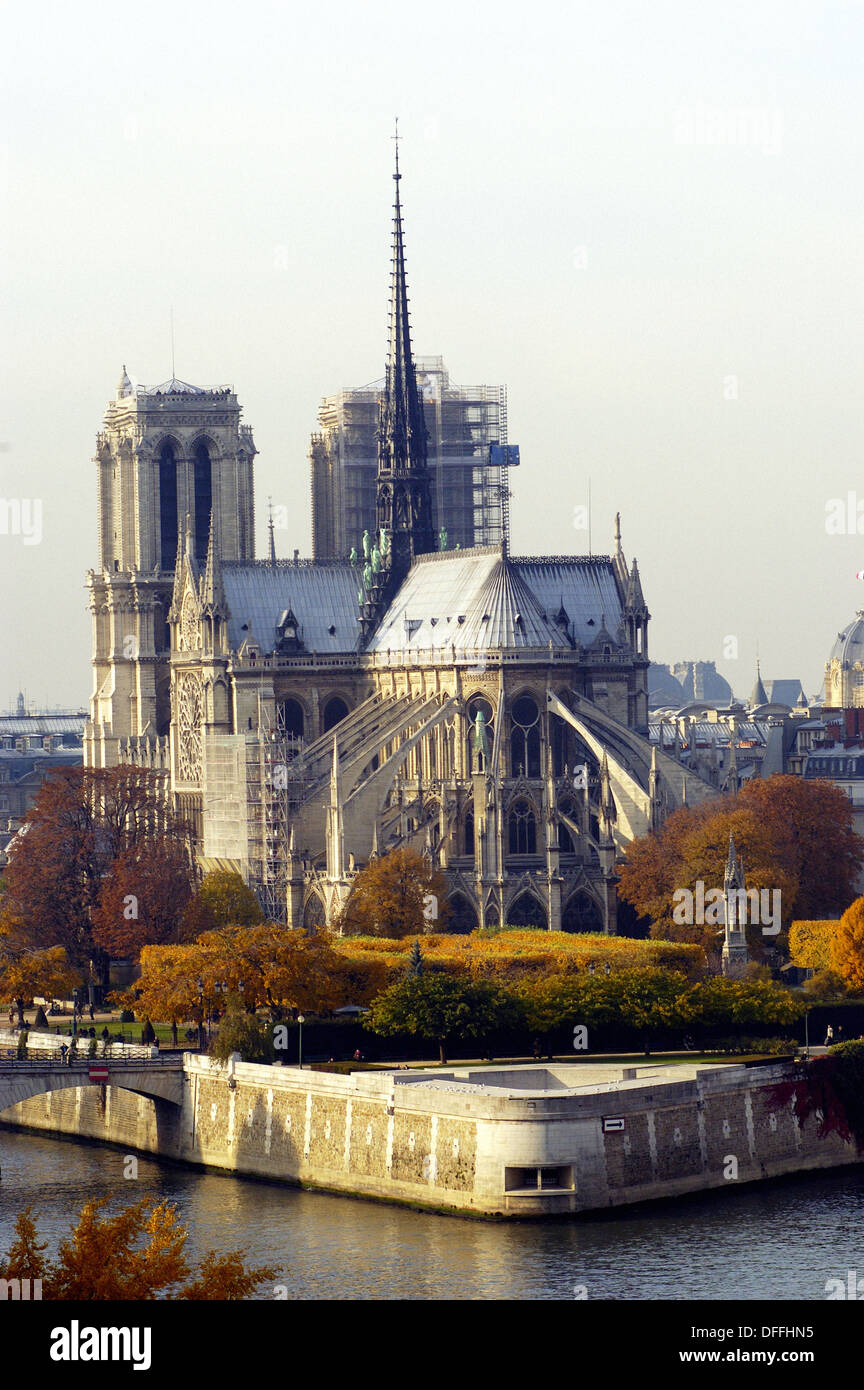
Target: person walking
[[829, 1036]]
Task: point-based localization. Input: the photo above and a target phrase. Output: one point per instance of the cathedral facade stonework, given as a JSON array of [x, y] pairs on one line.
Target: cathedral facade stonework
[[489, 711]]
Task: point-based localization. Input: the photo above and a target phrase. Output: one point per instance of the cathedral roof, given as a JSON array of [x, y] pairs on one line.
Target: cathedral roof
[[321, 596], [478, 599], [584, 585]]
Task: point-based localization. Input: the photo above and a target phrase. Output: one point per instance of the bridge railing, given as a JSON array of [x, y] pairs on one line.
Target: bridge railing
[[49, 1044], [84, 1064]]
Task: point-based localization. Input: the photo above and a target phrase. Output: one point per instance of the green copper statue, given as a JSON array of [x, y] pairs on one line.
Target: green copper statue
[[352, 557], [367, 545], [442, 538], [376, 560], [481, 741]]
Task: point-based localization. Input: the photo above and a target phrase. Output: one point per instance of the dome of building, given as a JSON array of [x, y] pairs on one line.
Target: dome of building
[[844, 669], [849, 646]]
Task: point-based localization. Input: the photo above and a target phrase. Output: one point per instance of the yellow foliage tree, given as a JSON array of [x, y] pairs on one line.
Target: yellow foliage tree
[[136, 1254], [810, 944], [30, 973]]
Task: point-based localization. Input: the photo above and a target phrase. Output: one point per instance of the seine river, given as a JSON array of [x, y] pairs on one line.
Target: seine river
[[773, 1242]]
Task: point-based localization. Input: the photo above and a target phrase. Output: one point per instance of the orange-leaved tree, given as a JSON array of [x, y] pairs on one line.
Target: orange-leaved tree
[[847, 946], [795, 836], [399, 894], [143, 898], [136, 1254], [26, 974], [261, 966], [81, 822]]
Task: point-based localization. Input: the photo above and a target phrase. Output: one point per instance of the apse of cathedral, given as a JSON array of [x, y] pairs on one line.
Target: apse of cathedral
[[489, 711]]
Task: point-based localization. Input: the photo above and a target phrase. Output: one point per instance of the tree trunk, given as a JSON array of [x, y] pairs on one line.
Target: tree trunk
[[442, 1051], [19, 1004]]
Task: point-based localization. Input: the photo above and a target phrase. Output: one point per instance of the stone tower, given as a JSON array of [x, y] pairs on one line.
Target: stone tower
[[734, 956], [168, 458]]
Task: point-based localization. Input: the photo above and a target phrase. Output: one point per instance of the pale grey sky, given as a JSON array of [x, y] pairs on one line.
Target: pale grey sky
[[646, 219]]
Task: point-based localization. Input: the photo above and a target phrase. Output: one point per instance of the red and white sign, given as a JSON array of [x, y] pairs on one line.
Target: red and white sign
[[98, 1073]]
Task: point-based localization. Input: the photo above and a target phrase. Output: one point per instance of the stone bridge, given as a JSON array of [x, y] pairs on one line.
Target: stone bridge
[[160, 1078]]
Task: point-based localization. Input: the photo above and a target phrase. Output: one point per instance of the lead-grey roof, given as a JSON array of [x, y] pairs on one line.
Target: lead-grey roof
[[42, 724], [469, 600], [585, 585], [321, 596]]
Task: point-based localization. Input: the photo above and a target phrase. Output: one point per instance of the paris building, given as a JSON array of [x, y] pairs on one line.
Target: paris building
[[488, 710]]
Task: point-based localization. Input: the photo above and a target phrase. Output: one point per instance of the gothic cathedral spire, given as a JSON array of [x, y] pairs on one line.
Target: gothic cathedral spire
[[404, 498]]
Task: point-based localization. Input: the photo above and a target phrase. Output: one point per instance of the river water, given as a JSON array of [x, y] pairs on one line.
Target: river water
[[776, 1241]]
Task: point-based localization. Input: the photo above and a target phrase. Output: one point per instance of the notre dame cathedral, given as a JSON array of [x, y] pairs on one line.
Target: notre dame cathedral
[[487, 710]]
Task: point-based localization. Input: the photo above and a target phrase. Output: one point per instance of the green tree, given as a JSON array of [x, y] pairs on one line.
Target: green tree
[[243, 1032], [740, 1003], [441, 1009]]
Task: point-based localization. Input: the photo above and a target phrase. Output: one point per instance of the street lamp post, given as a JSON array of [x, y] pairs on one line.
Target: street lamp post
[[201, 1036], [75, 1012], [301, 1020]]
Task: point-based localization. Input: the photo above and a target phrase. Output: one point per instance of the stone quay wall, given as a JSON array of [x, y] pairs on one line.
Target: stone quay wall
[[537, 1141]]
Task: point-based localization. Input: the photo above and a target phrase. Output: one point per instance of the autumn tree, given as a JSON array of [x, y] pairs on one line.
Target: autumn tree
[[136, 1254], [847, 946], [264, 966], [81, 822], [795, 836], [442, 1008], [397, 895], [223, 900], [143, 898], [25, 973]]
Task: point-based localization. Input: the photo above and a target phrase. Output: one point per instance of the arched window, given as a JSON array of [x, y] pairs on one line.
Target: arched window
[[527, 911], [525, 737], [582, 914], [477, 702], [167, 507], [335, 710], [522, 828], [469, 833], [203, 498], [314, 916], [290, 718], [462, 917]]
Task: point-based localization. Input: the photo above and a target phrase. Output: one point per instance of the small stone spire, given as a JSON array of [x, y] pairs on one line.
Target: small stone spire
[[271, 539], [212, 588]]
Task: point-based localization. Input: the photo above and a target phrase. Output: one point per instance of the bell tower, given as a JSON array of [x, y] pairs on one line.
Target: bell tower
[[166, 453]]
